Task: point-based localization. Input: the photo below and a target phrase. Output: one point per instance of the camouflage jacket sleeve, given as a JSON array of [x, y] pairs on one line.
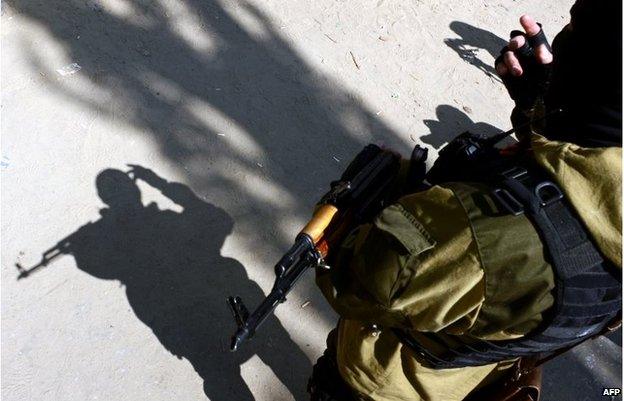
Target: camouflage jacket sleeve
[[415, 267]]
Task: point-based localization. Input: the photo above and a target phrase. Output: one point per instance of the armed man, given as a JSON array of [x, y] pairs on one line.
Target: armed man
[[509, 257]]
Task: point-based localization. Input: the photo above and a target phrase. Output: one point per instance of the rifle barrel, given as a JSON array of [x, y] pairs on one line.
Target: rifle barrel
[[277, 295]]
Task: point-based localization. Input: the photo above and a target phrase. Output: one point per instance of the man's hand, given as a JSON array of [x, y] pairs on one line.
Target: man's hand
[[509, 63], [137, 172], [524, 64]]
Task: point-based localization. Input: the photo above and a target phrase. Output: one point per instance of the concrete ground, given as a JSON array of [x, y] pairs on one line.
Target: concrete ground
[[244, 111]]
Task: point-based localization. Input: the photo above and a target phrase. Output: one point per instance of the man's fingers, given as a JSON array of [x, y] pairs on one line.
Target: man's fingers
[[517, 42], [531, 27], [501, 69], [543, 55], [512, 63], [509, 63]]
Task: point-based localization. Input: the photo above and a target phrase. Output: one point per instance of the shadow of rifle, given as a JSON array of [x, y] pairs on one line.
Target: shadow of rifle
[[62, 247]]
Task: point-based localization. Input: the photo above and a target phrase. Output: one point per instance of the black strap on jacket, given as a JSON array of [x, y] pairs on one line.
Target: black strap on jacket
[[587, 287]]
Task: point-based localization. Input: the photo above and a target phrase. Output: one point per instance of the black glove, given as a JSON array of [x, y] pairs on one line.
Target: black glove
[[526, 88]]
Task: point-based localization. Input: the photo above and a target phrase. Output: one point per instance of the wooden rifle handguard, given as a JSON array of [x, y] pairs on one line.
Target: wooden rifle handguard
[[321, 219]]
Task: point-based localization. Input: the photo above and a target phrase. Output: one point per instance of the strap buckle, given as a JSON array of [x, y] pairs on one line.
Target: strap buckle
[[507, 201], [515, 173], [547, 193], [504, 197]]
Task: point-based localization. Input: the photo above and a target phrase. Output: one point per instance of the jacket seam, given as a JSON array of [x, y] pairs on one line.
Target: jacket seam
[[416, 224], [479, 253], [411, 257]]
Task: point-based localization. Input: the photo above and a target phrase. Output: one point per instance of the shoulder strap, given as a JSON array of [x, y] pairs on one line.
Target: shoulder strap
[[570, 249]]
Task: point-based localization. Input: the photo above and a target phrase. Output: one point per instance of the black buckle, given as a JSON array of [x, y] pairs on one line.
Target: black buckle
[[511, 204], [515, 173], [547, 193]]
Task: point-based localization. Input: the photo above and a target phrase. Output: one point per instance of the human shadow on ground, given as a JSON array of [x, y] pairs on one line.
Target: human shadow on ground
[[224, 97], [176, 280], [471, 39], [451, 122]]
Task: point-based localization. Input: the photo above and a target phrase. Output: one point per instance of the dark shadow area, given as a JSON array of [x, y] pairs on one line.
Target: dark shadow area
[[451, 122], [471, 39], [164, 84], [176, 280], [584, 372]]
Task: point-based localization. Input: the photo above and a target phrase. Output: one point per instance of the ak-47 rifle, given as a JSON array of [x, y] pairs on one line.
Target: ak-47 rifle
[[361, 193]]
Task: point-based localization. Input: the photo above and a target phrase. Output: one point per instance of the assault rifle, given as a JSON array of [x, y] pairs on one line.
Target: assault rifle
[[362, 191]]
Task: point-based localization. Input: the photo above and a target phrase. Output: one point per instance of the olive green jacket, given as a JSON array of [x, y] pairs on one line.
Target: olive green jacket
[[446, 260]]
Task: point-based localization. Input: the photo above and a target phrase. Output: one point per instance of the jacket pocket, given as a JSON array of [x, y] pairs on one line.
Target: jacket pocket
[[402, 226], [384, 255]]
